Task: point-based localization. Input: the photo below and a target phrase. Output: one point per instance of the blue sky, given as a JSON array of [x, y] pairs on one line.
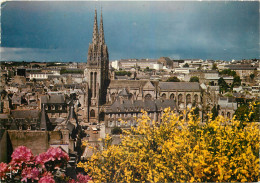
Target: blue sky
[[62, 31]]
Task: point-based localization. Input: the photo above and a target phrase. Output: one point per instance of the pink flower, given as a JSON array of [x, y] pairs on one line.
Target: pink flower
[[3, 169], [47, 179], [30, 173], [83, 178], [22, 155], [51, 155]]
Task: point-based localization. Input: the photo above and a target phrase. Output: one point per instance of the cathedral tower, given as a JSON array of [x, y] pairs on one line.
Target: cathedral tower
[[96, 72]]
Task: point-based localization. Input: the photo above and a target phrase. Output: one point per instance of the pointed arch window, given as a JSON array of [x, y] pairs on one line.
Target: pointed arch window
[[92, 113]]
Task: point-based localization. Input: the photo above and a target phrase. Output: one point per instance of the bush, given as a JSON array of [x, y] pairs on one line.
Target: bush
[[194, 79], [116, 131], [181, 151], [123, 73], [173, 79], [46, 167]]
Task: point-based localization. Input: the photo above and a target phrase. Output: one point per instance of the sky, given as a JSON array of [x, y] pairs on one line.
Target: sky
[[62, 30]]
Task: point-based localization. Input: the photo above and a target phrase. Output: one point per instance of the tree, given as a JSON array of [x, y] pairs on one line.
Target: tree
[[236, 81], [116, 131], [181, 151], [214, 112], [173, 79], [214, 67], [186, 65], [223, 86], [194, 79], [252, 76], [228, 72], [123, 73], [248, 112]]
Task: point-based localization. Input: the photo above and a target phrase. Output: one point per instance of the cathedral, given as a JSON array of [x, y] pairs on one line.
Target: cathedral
[[96, 72], [110, 101]]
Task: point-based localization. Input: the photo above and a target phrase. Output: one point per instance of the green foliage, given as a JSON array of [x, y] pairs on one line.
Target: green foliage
[[248, 112], [51, 64], [173, 79], [68, 71], [223, 86], [252, 76], [177, 150], [228, 72], [214, 112], [214, 67], [236, 81], [36, 66], [194, 79], [116, 131], [211, 83], [147, 69], [123, 73], [186, 65]]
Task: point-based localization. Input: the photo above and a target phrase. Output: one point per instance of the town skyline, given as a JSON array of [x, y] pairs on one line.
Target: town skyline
[[61, 31]]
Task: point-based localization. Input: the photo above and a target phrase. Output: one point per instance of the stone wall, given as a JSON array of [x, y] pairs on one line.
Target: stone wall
[[37, 141]]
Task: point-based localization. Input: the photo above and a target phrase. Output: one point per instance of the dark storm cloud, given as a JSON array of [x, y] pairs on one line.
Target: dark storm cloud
[[214, 30]]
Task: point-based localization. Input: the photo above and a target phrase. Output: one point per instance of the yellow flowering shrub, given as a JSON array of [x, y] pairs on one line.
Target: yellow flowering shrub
[[178, 150]]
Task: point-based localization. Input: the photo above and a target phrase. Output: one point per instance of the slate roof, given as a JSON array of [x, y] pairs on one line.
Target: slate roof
[[241, 67], [25, 113], [127, 83], [45, 121], [53, 99], [137, 105], [123, 93], [180, 86]]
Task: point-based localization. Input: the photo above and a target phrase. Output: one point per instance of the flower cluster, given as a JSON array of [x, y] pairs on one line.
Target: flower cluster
[[47, 179], [180, 150], [44, 168], [30, 173], [51, 155], [83, 178], [22, 155], [3, 170]]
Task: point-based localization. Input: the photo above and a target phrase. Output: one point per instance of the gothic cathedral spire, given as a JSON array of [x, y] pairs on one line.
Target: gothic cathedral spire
[[95, 29], [96, 72], [101, 31]]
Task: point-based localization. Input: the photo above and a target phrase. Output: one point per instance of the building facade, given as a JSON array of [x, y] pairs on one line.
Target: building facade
[[96, 72]]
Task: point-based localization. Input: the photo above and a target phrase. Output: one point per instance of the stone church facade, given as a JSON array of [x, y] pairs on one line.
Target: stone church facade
[[96, 72], [109, 101]]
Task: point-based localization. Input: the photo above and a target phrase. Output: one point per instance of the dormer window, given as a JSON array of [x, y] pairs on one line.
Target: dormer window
[[20, 127], [29, 127]]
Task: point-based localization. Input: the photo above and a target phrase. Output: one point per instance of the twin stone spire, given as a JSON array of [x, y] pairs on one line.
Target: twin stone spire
[[97, 49], [98, 36]]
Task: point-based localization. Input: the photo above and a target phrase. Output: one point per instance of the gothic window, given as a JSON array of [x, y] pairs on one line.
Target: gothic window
[[188, 99], [180, 99], [95, 84], [92, 113], [113, 97], [228, 115], [196, 98], [148, 97], [131, 96], [163, 96], [91, 80], [172, 96]]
